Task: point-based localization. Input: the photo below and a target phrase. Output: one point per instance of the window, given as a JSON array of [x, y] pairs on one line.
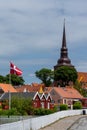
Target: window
[[42, 105], [58, 100], [64, 101]]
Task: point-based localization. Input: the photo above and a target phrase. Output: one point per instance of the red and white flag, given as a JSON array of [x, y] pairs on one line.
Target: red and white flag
[[15, 70]]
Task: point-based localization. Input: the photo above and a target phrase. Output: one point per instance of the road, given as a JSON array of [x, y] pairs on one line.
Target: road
[[80, 124], [69, 123]]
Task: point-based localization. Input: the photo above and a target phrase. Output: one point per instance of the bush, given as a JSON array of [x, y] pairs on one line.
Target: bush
[[0, 107], [42, 111], [63, 107], [77, 105], [55, 109], [39, 111], [10, 112], [48, 111]]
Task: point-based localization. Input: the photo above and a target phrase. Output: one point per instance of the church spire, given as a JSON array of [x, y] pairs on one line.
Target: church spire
[[64, 36], [64, 50], [64, 60]]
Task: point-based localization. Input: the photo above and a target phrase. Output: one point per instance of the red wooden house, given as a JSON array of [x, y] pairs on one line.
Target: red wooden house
[[38, 100], [43, 101]]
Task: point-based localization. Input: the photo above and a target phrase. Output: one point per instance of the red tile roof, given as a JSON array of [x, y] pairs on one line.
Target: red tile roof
[[65, 92], [29, 88], [68, 92], [47, 89], [7, 87]]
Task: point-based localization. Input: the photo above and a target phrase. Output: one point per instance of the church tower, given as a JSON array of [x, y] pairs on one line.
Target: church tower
[[64, 60]]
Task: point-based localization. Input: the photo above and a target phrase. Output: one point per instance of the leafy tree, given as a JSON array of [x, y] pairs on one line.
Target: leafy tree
[[15, 80], [16, 103], [65, 74], [2, 79], [22, 105], [28, 106], [45, 75], [80, 89]]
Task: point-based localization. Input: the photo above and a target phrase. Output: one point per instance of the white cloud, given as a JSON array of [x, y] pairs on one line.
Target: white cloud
[[32, 30]]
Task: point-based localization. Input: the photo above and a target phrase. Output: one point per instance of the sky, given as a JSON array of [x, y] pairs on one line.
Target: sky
[[31, 34]]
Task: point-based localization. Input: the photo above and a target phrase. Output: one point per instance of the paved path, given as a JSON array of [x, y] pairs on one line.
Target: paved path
[[80, 124], [66, 123]]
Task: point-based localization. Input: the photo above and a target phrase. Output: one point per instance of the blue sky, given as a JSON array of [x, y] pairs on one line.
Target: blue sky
[[31, 34]]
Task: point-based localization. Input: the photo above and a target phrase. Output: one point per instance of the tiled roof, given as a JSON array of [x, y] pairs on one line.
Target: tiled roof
[[7, 87], [29, 88], [24, 88], [47, 89], [82, 77], [68, 92], [35, 84], [65, 92], [20, 95]]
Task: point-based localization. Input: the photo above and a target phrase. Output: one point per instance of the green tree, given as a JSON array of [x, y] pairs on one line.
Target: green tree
[[80, 89], [2, 79], [15, 80], [22, 105], [45, 75], [28, 106], [65, 74], [16, 103]]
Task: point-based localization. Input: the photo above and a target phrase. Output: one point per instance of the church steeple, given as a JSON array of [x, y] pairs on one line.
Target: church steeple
[[64, 37], [64, 60]]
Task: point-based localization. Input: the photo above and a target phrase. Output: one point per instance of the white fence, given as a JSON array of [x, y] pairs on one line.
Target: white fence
[[39, 122]]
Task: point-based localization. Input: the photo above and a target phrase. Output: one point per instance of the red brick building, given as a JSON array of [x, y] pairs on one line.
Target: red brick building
[[64, 95]]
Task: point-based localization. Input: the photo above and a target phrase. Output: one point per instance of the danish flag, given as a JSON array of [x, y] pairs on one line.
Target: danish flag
[[15, 70]]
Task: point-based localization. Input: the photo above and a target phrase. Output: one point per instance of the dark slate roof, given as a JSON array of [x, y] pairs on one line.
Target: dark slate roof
[[20, 95]]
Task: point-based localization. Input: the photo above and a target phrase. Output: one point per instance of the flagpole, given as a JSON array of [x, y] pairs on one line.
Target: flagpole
[[13, 70], [9, 91]]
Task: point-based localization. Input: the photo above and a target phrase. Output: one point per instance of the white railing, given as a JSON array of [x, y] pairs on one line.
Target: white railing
[[39, 122]]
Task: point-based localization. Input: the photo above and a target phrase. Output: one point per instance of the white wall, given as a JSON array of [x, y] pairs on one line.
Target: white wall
[[39, 122]]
